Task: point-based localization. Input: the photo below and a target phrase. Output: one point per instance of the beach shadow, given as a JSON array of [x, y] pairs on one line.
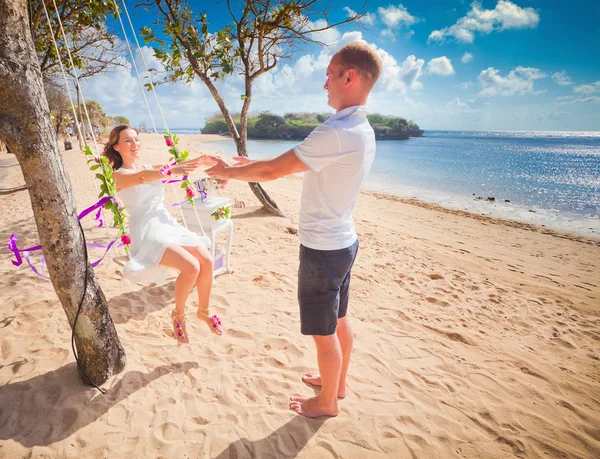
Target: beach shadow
[[51, 407], [138, 304], [287, 441], [259, 212]]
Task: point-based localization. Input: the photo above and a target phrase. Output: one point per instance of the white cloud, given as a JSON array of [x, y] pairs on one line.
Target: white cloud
[[348, 37], [399, 78], [440, 66], [519, 81], [457, 104], [388, 33], [306, 76], [530, 73], [328, 37], [506, 15], [467, 57], [562, 78], [394, 17], [466, 84], [578, 100], [563, 98], [368, 19], [587, 89]]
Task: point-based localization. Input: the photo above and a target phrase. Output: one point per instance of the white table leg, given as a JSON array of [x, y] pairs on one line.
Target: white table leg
[[229, 243]]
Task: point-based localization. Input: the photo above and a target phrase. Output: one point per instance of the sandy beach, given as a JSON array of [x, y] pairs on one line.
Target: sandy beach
[[474, 338]]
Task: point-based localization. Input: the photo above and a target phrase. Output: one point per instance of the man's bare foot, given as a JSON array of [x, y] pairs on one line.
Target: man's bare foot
[[179, 330], [213, 322], [312, 407], [314, 378]]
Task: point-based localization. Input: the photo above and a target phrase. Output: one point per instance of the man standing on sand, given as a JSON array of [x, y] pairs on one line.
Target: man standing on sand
[[336, 157]]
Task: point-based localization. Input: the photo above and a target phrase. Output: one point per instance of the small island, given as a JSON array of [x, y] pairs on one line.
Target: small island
[[297, 126]]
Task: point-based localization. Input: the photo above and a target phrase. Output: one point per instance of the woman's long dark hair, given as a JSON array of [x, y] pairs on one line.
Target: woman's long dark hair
[[114, 157]]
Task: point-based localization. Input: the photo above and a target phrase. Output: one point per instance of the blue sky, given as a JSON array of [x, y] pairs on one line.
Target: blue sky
[[489, 65]]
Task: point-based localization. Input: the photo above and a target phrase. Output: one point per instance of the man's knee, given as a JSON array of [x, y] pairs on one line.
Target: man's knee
[[327, 343]]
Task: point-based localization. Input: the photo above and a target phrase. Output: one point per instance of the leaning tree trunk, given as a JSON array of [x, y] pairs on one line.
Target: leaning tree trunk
[[240, 143], [26, 127], [270, 205], [239, 140]]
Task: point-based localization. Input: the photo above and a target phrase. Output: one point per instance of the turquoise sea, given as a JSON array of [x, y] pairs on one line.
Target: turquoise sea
[[548, 178]]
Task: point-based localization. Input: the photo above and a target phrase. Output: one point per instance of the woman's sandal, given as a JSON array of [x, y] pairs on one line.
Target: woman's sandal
[[178, 328], [217, 328]]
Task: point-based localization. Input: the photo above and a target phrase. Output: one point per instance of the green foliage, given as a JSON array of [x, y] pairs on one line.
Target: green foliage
[[222, 213], [93, 48], [118, 120], [108, 188], [215, 127], [191, 46], [300, 125], [393, 128], [262, 33], [98, 118], [178, 156]]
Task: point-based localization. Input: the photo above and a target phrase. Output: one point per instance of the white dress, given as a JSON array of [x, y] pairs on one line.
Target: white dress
[[152, 229]]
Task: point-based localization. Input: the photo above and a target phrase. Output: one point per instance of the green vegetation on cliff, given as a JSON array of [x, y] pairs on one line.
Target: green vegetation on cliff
[[297, 126]]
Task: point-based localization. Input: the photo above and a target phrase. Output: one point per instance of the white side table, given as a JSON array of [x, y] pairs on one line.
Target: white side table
[[211, 228]]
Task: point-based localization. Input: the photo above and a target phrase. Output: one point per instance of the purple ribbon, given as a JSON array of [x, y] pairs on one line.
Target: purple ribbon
[[12, 243], [178, 204], [176, 180], [93, 207], [98, 219], [12, 246], [26, 256]]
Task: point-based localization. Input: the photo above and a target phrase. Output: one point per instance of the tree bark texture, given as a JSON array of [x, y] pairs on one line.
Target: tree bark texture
[[26, 127]]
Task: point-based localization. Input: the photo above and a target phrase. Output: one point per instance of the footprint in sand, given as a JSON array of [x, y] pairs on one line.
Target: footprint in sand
[[433, 300]]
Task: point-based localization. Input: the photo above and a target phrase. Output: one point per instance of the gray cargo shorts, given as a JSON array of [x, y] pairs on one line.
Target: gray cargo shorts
[[324, 288]]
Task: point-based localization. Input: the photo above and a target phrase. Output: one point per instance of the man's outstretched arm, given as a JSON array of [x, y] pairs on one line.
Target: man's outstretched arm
[[259, 171]]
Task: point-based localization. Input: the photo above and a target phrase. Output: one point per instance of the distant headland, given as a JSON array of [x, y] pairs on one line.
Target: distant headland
[[297, 126]]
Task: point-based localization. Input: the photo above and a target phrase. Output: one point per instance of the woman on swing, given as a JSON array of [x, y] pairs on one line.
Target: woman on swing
[[157, 239]]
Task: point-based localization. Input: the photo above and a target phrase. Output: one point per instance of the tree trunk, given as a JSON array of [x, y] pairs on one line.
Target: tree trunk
[[26, 127], [259, 192], [239, 140]]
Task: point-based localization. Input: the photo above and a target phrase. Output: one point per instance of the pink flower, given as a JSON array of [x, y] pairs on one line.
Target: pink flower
[[125, 239], [189, 192], [116, 200], [219, 212], [97, 160], [169, 141]]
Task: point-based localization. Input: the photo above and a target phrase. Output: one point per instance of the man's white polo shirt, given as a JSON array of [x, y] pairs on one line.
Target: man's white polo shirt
[[339, 154]]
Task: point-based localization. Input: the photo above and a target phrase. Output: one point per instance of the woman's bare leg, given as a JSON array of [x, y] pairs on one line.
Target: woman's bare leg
[[177, 257], [204, 283]]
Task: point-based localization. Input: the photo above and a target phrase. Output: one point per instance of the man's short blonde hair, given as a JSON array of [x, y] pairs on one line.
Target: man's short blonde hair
[[359, 56]]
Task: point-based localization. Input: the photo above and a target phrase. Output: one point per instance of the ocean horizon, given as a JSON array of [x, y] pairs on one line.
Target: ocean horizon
[[549, 178]]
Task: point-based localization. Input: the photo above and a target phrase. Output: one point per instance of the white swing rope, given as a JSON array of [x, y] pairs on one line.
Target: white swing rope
[[155, 96], [77, 124]]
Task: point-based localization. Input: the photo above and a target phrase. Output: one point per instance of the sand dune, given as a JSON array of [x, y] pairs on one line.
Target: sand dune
[[475, 337]]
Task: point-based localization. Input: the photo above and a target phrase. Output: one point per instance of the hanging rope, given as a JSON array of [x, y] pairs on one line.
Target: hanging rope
[[159, 140], [77, 124]]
